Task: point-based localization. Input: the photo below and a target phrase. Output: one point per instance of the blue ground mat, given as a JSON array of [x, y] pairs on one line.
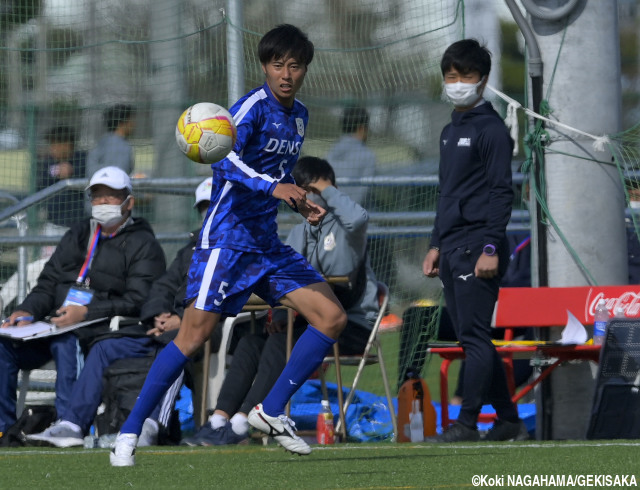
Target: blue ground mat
[[368, 417]]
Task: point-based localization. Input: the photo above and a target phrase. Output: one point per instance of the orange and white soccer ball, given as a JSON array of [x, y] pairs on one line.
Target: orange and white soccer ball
[[206, 132]]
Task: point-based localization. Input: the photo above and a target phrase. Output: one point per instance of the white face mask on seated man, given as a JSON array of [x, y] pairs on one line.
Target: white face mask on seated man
[[109, 214]]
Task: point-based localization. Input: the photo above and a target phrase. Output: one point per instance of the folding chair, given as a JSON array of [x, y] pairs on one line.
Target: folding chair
[[365, 359], [214, 366], [40, 384]]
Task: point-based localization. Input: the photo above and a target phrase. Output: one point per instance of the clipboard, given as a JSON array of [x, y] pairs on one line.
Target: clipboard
[[40, 330]]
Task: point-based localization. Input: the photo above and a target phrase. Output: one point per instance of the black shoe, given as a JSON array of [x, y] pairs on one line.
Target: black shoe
[[456, 433], [205, 433], [503, 430], [221, 436]]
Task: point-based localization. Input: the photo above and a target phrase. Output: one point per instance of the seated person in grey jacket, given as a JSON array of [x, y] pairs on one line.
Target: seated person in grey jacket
[[102, 267], [160, 318], [337, 247]]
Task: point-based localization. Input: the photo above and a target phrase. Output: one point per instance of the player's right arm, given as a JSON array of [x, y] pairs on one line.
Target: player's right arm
[[293, 195], [234, 168]]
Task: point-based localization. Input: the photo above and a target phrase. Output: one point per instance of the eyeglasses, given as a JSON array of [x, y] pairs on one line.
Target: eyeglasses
[[113, 197]]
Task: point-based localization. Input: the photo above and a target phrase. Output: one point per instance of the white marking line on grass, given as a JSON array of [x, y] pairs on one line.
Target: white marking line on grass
[[524, 445], [336, 447], [145, 450]]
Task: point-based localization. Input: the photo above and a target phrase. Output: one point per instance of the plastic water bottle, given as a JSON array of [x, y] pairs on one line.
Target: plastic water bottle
[[619, 312], [416, 427], [90, 442], [415, 389], [324, 425], [600, 319]]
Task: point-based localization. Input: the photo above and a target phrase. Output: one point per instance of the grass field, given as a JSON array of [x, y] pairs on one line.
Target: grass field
[[384, 465]]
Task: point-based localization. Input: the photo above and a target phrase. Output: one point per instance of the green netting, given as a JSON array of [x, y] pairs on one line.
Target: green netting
[[65, 64], [62, 64]]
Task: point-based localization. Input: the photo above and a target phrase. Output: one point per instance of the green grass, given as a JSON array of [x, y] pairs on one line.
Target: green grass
[[384, 465]]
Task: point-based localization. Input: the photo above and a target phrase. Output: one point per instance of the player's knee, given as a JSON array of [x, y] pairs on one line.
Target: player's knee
[[341, 321], [192, 336], [337, 323]]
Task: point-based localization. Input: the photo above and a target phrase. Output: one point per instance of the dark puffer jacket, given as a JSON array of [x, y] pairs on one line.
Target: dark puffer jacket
[[121, 274], [167, 293]]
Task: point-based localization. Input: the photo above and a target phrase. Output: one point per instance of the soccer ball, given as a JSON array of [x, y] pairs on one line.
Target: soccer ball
[[206, 132]]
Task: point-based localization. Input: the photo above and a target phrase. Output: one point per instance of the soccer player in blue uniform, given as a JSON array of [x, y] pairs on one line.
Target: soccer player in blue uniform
[[239, 252], [469, 248]]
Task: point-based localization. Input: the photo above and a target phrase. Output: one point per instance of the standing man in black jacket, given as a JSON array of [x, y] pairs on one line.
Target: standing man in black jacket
[[102, 267], [469, 249]]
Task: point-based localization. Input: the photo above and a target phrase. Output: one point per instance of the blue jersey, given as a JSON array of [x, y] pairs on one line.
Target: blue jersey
[[242, 214]]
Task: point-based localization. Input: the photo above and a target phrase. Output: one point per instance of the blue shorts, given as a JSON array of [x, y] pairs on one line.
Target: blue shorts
[[221, 280]]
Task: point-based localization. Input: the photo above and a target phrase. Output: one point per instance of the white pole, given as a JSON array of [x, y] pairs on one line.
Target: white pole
[[235, 50], [584, 193], [167, 90], [483, 23]]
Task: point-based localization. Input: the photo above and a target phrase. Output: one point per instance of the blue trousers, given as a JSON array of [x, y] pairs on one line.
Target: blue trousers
[[87, 391], [33, 354]]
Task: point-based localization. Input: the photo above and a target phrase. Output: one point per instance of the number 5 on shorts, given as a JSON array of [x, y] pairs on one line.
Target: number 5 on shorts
[[223, 293]]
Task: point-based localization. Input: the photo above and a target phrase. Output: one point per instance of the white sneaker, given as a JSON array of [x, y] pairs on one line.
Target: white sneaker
[[149, 434], [281, 428], [59, 434], [124, 450]]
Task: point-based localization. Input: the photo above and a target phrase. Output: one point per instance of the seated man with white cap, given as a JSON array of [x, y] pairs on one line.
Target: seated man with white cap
[[103, 267], [160, 318]]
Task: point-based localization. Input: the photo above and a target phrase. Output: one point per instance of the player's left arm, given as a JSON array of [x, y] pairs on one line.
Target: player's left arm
[[495, 147]]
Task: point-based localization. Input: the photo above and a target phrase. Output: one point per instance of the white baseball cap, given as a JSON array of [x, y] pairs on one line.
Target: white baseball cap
[[113, 177], [203, 191]]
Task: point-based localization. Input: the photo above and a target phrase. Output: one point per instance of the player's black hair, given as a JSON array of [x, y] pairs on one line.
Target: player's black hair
[[117, 114], [285, 41], [467, 56], [353, 118], [309, 169], [61, 134]]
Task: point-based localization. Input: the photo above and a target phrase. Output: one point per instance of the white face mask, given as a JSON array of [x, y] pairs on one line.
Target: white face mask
[[634, 204], [108, 214], [463, 94]]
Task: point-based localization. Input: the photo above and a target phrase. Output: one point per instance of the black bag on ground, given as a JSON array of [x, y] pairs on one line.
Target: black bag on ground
[[121, 385], [34, 419]]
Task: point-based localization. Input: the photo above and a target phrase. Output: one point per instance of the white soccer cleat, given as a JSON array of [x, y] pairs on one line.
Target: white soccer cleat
[[281, 428], [124, 450]]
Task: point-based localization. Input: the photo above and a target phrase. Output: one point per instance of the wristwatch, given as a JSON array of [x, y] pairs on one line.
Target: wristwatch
[[489, 250]]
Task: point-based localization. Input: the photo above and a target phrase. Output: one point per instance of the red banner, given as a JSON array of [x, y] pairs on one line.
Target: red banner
[[543, 307]]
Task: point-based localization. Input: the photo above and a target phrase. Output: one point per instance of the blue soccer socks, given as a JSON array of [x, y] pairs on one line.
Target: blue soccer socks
[[164, 371], [307, 355]]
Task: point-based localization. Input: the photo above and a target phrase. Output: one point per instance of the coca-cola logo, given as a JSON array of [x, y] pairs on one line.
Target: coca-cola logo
[[629, 301]]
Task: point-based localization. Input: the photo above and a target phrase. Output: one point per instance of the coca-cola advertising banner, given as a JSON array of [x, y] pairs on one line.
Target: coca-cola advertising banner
[[543, 307]]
